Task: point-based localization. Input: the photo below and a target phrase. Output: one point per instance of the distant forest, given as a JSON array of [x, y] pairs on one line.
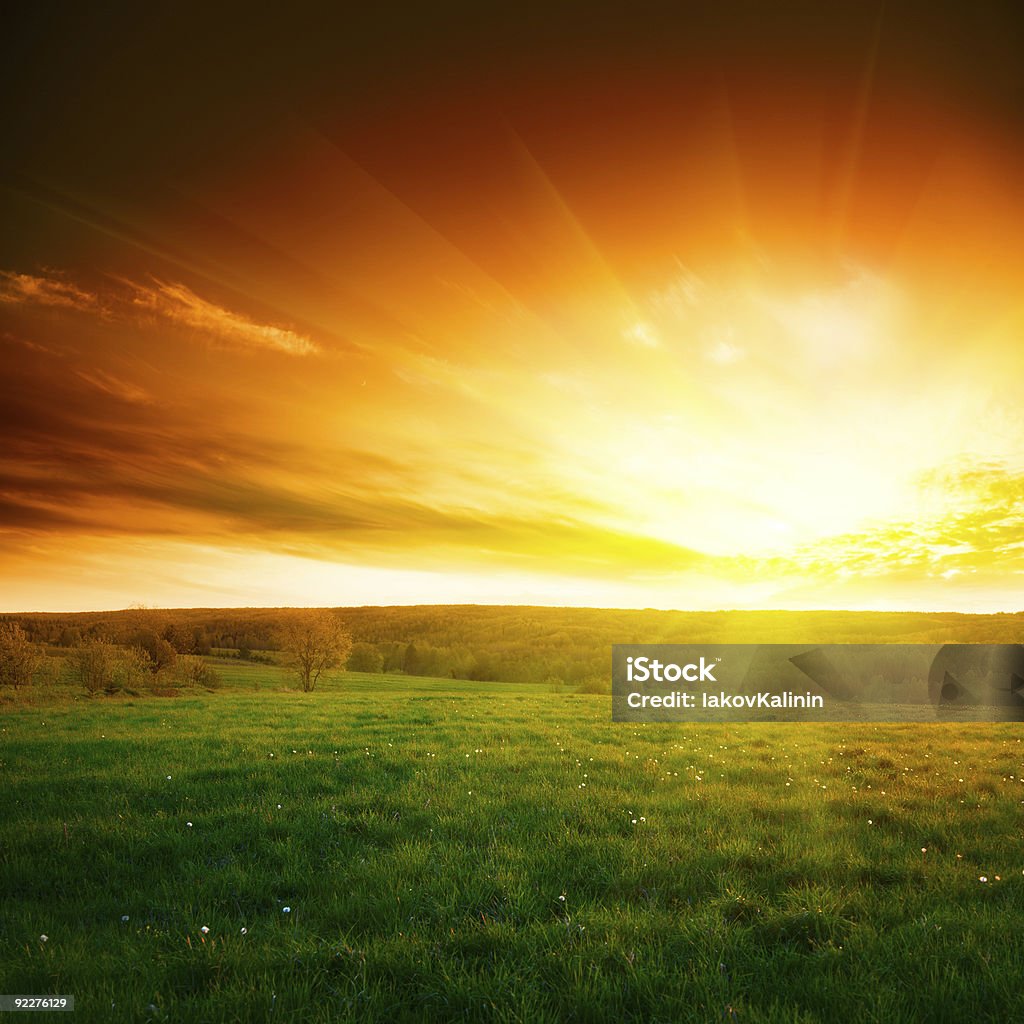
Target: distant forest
[[570, 646]]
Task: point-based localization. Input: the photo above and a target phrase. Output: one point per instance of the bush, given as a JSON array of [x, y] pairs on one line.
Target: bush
[[94, 663], [191, 670], [132, 669], [103, 667], [256, 657], [595, 684], [161, 654], [19, 659]]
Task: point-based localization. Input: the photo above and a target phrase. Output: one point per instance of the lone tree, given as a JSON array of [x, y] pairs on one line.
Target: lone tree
[[315, 642]]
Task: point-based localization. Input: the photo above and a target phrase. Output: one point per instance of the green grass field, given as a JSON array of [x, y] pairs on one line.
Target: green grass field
[[389, 849]]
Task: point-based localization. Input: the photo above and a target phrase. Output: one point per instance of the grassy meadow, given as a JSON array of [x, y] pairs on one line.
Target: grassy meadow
[[401, 849]]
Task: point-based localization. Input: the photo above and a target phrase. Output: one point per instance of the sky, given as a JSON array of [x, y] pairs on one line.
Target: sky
[[696, 306]]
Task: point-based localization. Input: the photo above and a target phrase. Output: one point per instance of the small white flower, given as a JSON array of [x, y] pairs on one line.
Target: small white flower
[[205, 930], [982, 878], [561, 899], [279, 807], [124, 918], [168, 778], [189, 823], [286, 910], [634, 821], [44, 938], [924, 849], [244, 931]]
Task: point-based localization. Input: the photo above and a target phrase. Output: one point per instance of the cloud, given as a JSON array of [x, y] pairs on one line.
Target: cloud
[[13, 339], [179, 304], [116, 387], [28, 289], [977, 529], [76, 464], [725, 353], [172, 302], [642, 334]]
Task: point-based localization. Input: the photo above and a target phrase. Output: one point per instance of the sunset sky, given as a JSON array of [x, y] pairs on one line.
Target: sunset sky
[[710, 306]]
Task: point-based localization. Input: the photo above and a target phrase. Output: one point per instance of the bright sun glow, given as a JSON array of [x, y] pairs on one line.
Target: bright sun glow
[[766, 354], [765, 455]]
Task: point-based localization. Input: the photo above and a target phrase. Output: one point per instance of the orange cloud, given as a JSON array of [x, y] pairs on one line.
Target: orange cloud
[[179, 304], [44, 291], [115, 386], [170, 301]]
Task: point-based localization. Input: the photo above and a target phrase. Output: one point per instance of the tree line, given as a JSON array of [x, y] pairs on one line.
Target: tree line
[[99, 665], [560, 646]]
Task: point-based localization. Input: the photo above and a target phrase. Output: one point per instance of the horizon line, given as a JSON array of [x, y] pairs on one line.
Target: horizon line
[[474, 604]]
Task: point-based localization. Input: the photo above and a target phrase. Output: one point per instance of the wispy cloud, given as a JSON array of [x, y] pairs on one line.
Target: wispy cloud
[[978, 529], [181, 305], [724, 352], [116, 387], [642, 334], [172, 302], [53, 290], [77, 464]]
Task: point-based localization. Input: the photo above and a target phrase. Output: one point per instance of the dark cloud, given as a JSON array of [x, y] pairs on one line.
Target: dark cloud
[[83, 457]]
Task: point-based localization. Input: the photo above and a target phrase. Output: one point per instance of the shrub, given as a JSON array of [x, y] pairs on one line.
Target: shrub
[[161, 654], [94, 663], [132, 669], [595, 684], [19, 659], [191, 670]]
